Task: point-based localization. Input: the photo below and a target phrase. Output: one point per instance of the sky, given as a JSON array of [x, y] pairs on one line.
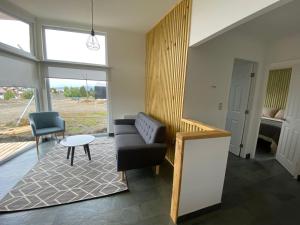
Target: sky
[[71, 46], [15, 33]]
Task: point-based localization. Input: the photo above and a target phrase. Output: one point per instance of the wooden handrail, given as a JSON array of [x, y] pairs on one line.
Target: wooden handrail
[[194, 125], [193, 129]]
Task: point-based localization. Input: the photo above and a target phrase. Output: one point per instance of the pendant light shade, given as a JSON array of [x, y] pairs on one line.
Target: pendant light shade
[[92, 42]]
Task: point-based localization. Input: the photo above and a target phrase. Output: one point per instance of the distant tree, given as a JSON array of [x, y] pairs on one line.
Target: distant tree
[[54, 90], [9, 95], [82, 91], [67, 92], [92, 92], [27, 94], [74, 92]]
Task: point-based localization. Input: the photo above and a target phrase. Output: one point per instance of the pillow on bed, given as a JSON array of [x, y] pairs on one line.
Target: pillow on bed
[[269, 112], [280, 114]]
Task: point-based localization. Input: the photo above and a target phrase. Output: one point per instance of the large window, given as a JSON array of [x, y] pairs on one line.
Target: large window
[[70, 46], [14, 32], [82, 103]]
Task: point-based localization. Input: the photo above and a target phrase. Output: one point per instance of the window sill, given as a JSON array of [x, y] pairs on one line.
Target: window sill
[[48, 61], [17, 52]]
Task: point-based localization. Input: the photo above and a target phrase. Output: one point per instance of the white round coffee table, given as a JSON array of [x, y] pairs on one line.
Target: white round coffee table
[[77, 140]]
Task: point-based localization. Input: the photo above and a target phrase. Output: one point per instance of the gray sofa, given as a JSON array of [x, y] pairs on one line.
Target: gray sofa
[[140, 142]]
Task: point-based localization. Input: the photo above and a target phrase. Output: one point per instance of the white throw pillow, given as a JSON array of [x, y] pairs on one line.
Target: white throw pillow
[[280, 114], [269, 112]]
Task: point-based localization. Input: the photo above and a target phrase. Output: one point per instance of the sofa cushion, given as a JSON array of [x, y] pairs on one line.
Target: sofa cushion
[[150, 129], [128, 140], [125, 129]]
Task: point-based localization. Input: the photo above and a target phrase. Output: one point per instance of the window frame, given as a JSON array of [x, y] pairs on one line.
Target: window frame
[[17, 51], [76, 30]]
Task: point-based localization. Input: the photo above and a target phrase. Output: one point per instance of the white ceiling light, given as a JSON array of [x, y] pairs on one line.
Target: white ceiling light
[[92, 42]]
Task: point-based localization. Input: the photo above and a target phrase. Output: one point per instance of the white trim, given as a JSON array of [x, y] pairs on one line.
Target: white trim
[[72, 29], [284, 64], [17, 52], [58, 62]]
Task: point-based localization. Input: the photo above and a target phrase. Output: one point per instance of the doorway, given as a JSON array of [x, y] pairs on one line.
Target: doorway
[[240, 99], [273, 113]]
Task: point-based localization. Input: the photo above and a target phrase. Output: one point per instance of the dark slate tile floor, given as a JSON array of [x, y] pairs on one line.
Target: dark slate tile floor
[[255, 193]]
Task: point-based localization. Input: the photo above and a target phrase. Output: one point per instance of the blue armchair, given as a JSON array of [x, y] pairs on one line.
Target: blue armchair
[[44, 123]]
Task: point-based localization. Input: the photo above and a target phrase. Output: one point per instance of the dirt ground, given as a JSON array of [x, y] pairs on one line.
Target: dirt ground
[[82, 116]]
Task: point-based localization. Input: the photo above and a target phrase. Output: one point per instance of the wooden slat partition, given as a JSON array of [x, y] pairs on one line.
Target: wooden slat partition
[[191, 129], [166, 59]]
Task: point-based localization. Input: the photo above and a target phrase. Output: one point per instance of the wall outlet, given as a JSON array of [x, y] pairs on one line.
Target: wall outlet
[[220, 106]]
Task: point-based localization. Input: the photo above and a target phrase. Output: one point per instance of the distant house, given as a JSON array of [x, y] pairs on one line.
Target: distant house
[[2, 92], [100, 92]]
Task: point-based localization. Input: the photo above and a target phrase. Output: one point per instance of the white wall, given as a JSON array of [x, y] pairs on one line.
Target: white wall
[[209, 77], [213, 17], [285, 49], [126, 56]]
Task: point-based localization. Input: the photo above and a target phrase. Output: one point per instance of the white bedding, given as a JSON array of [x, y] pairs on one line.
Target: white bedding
[[271, 121]]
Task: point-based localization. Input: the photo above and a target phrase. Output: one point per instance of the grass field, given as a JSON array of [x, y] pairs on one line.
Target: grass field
[[82, 116]]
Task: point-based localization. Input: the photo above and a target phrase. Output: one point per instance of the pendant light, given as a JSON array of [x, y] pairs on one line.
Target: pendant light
[[92, 42]]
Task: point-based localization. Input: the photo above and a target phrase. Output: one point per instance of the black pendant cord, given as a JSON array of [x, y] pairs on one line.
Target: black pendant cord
[[92, 32]]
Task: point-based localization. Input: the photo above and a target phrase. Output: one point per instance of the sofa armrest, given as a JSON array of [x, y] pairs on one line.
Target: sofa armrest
[[124, 121], [59, 122]]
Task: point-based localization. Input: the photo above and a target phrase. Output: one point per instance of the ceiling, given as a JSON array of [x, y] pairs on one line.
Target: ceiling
[[133, 15], [279, 23]]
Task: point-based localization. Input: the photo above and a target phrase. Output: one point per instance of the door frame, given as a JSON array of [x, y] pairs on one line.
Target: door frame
[[272, 66], [249, 103]]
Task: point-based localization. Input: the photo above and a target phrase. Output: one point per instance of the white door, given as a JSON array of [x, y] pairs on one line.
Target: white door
[[238, 103], [289, 142]]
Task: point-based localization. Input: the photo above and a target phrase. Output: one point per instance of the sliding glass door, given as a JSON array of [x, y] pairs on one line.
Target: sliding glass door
[[15, 132], [82, 103], [15, 105]]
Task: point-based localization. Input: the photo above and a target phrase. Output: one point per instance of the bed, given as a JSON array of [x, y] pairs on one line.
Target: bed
[[270, 128]]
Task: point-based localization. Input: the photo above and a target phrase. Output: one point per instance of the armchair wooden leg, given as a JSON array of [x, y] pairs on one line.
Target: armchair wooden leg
[[123, 175], [157, 170], [63, 134], [37, 147]]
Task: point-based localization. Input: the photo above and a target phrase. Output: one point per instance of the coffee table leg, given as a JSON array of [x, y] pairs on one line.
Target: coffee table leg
[[69, 150], [88, 151], [72, 155], [84, 147]]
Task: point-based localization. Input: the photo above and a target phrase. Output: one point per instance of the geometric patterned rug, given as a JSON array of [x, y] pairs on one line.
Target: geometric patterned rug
[[53, 181]]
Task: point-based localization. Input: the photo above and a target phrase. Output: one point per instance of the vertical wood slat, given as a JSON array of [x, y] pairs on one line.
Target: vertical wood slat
[[278, 88], [166, 59]]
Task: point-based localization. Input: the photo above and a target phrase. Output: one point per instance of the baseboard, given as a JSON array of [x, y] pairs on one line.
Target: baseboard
[[198, 213], [111, 134]]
